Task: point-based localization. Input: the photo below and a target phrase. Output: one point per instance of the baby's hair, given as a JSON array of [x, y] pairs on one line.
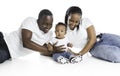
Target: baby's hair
[[61, 24]]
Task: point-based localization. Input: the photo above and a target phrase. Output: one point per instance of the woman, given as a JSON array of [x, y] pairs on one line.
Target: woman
[[33, 34], [80, 30], [82, 34]]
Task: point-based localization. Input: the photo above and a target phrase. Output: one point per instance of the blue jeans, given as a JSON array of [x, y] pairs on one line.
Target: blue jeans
[[64, 54], [4, 51], [108, 48]]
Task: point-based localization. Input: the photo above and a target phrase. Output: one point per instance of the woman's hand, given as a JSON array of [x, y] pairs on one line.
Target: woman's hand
[[58, 49], [78, 54]]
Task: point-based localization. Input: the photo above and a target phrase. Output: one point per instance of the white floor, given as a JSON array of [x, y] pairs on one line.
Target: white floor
[[37, 65], [105, 15]]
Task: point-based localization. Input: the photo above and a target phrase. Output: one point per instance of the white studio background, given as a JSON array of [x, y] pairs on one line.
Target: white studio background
[[105, 15]]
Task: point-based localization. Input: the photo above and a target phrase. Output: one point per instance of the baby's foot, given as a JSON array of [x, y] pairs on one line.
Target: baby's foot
[[76, 59], [62, 60]]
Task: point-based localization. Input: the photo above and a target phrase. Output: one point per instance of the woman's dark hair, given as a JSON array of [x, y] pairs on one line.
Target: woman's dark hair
[[44, 12], [72, 10]]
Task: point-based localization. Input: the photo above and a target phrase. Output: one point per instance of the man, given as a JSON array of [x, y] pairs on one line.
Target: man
[[36, 33], [33, 34]]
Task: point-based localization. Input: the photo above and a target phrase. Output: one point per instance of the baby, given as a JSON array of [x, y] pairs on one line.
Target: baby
[[67, 55]]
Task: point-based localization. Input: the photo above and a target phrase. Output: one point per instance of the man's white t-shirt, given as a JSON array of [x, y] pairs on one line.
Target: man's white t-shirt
[[63, 41], [79, 37], [14, 39]]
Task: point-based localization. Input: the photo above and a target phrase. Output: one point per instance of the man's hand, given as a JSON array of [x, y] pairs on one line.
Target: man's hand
[[58, 49], [49, 47], [70, 45]]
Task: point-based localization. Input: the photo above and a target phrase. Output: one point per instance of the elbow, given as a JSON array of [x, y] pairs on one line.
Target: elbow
[[93, 40], [26, 44]]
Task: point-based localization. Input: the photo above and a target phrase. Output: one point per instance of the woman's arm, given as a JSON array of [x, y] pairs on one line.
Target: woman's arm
[[91, 40], [27, 43]]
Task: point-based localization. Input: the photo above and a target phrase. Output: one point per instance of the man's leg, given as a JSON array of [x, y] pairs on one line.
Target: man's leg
[[4, 52]]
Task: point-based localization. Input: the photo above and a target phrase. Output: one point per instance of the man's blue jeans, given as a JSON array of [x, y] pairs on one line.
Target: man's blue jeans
[[4, 51], [108, 48]]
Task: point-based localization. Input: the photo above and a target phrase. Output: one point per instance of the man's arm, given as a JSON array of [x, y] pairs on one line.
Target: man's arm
[[27, 43]]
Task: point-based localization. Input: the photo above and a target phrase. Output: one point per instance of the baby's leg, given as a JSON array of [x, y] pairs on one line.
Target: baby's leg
[[59, 57]]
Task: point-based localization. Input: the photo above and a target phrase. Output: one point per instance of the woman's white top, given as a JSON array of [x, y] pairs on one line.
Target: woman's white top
[[79, 37], [14, 39]]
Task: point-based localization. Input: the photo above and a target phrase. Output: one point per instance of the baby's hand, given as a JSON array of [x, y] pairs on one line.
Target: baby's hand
[[70, 45]]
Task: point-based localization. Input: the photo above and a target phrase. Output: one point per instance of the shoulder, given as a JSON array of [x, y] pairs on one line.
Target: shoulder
[[66, 38], [50, 32], [29, 19], [53, 40], [29, 23], [85, 22], [85, 19]]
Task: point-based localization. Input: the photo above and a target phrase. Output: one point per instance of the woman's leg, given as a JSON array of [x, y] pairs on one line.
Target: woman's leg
[[106, 52], [110, 39]]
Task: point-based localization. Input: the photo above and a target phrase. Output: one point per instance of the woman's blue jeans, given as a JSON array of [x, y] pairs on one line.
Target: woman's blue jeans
[[108, 48]]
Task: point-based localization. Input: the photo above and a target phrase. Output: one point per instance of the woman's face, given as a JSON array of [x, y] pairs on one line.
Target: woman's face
[[73, 20]]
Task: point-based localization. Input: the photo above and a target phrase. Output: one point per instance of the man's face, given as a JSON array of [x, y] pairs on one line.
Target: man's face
[[45, 23]]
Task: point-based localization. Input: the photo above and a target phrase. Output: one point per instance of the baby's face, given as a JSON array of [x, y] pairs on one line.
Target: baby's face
[[60, 31]]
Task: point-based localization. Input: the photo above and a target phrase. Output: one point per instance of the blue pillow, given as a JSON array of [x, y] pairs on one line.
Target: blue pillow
[[106, 52]]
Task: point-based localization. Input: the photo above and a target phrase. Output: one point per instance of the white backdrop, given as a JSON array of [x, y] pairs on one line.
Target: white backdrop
[[105, 15]]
